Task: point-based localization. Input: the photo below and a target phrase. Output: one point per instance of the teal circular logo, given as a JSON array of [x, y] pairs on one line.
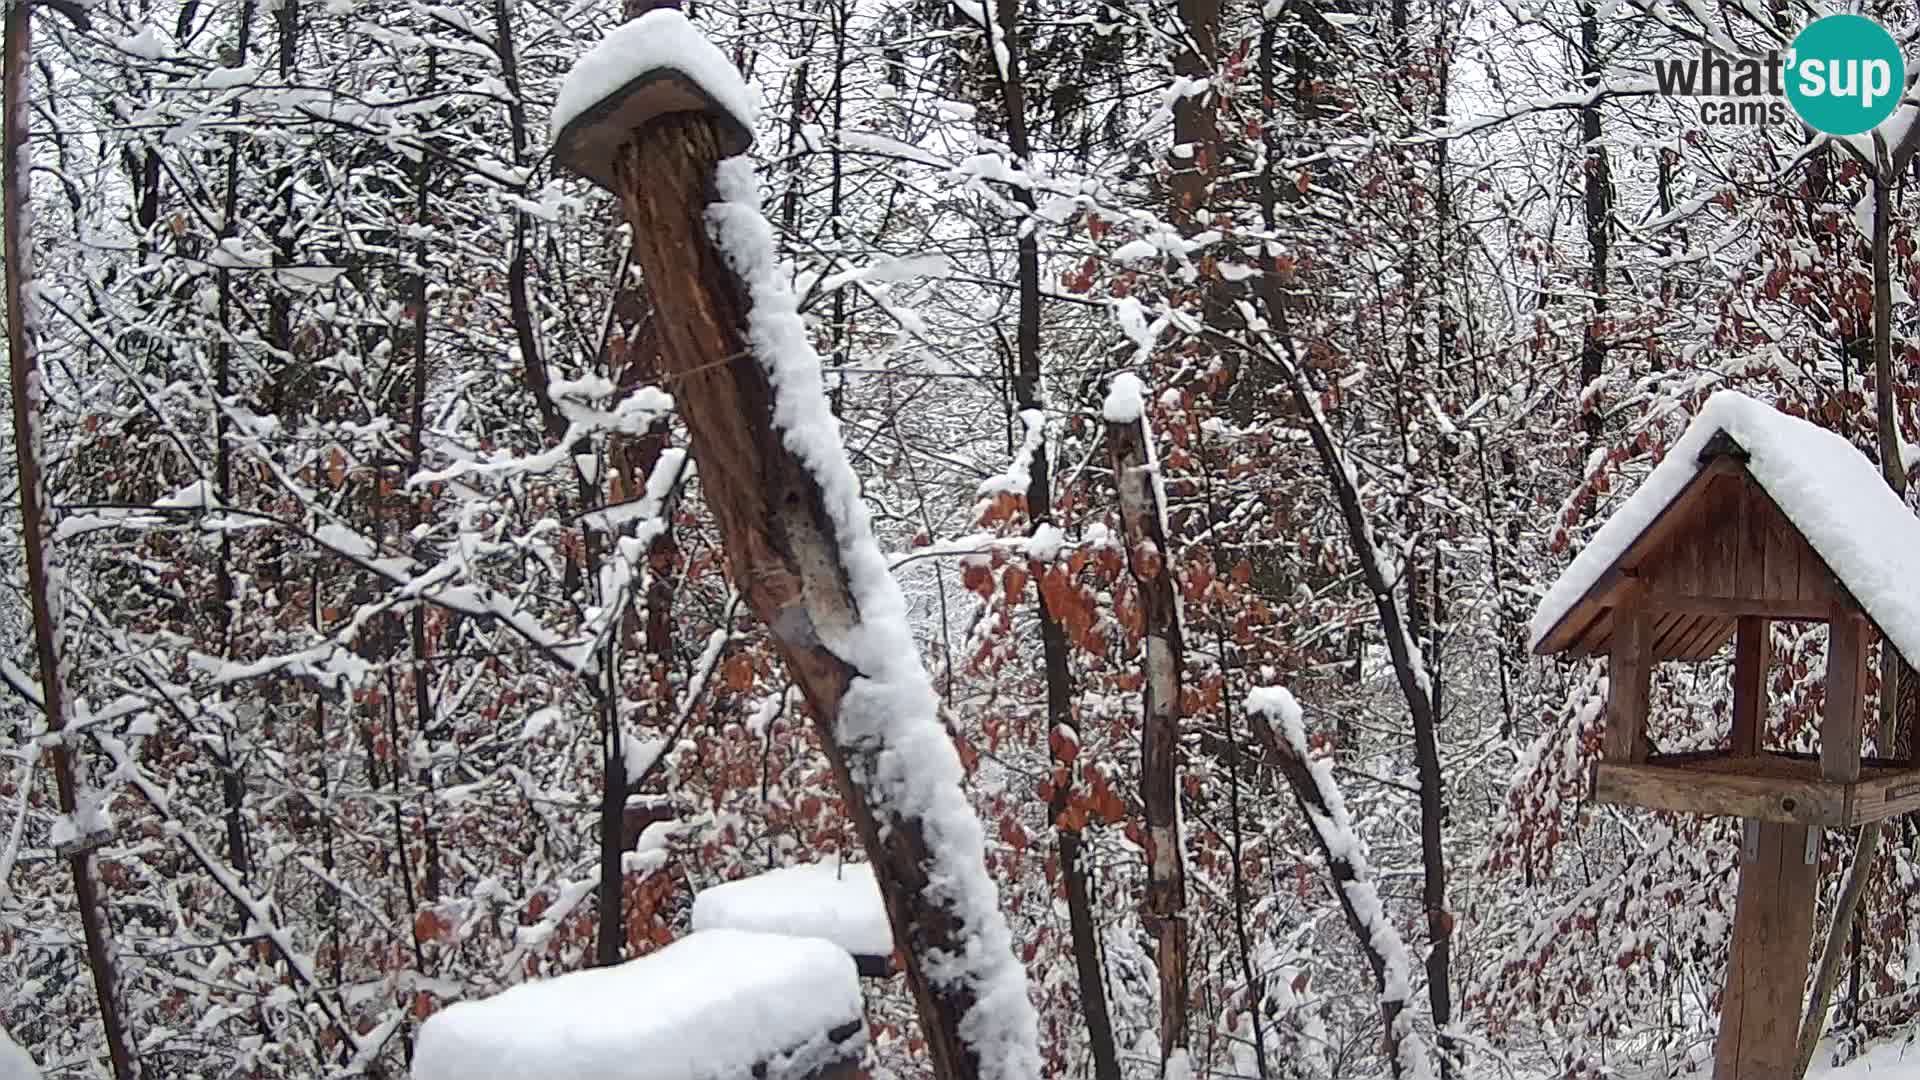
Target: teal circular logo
[[1845, 74]]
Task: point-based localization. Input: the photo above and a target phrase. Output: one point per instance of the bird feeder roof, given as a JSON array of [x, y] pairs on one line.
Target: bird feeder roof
[[1835, 509]]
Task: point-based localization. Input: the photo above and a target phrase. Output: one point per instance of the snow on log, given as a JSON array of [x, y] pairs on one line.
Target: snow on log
[[718, 1005], [1311, 780], [839, 903], [1125, 399], [655, 65], [15, 1063], [1825, 487], [899, 757], [800, 547]]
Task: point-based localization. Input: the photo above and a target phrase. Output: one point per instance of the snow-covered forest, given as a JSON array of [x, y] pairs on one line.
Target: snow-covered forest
[[1204, 395]]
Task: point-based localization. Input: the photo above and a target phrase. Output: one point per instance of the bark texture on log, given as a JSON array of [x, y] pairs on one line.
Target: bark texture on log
[[780, 539], [1150, 560]]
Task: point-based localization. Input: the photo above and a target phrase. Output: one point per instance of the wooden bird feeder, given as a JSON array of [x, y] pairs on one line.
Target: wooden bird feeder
[[1753, 517]]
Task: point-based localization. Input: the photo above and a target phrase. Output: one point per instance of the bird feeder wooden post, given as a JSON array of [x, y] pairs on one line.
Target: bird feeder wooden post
[[1719, 544], [655, 142]]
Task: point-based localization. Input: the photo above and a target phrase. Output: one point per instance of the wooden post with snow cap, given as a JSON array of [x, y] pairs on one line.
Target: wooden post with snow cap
[[651, 114]]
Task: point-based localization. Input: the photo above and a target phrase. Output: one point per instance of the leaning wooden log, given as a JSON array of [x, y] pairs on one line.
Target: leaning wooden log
[[797, 535], [720, 1005], [1150, 561]]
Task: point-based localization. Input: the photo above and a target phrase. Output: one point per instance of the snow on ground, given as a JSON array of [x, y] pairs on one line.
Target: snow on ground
[[662, 38], [708, 1007], [15, 1064], [1887, 1061], [838, 902], [1826, 487]]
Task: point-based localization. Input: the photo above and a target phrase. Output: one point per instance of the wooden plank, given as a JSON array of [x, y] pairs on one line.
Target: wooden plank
[[1722, 636], [1846, 689], [1790, 608], [1815, 579], [1682, 626], [1782, 577], [1592, 639], [1659, 627], [1693, 791], [1772, 933], [1704, 639], [1752, 538], [1629, 681], [1752, 651], [1887, 795], [1720, 538], [1913, 715], [1684, 568]]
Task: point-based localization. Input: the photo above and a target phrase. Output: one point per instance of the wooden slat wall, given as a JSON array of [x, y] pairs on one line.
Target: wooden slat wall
[[1723, 550]]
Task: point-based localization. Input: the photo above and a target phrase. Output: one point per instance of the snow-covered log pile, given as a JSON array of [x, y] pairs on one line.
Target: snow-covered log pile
[[720, 1005], [798, 536], [839, 903]]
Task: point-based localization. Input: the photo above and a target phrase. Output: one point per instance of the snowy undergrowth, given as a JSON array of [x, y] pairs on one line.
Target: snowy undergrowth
[[1336, 831], [15, 1063]]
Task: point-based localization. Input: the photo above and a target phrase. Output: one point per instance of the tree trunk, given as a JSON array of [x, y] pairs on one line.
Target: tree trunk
[[1599, 205], [1063, 735], [1142, 516], [232, 786], [44, 583], [1298, 774], [1408, 668], [785, 555]]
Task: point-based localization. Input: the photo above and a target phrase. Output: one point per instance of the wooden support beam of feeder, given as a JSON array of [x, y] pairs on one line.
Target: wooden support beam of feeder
[[1846, 690], [1629, 681], [656, 148], [1752, 649], [1772, 933]]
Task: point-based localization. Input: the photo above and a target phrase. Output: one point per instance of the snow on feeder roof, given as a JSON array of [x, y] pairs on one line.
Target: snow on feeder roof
[[718, 1005], [840, 903], [1752, 516], [654, 66], [1847, 538]]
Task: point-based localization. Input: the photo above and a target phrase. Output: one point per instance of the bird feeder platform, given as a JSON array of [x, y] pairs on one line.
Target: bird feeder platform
[[1778, 787], [655, 66]]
